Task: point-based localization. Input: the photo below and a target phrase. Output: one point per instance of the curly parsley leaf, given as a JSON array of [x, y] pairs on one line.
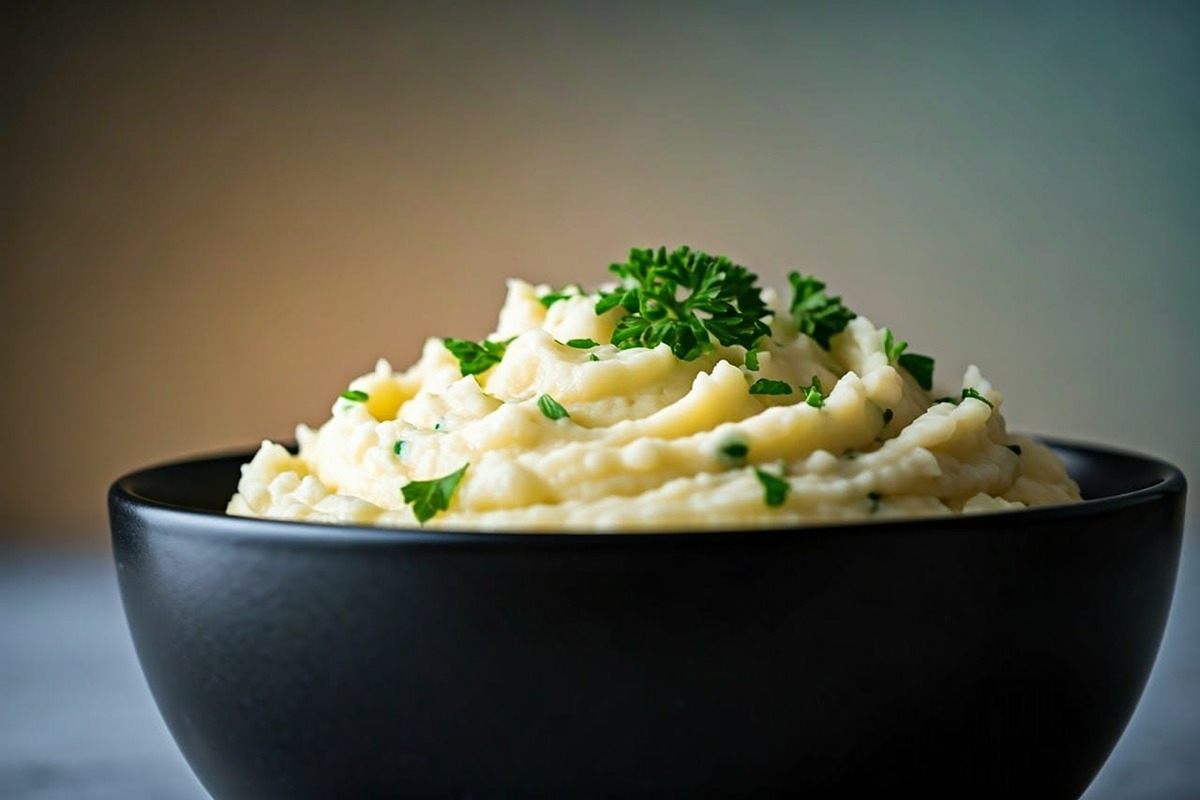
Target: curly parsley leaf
[[892, 348], [685, 299], [475, 358], [920, 367], [732, 451], [570, 290], [427, 498], [767, 386], [975, 395], [812, 393], [775, 488], [551, 408], [814, 313], [967, 392]]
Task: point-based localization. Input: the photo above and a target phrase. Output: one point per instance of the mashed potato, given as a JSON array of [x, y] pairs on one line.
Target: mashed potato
[[566, 431]]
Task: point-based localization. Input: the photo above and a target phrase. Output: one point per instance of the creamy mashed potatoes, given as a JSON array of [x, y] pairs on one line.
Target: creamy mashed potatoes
[[563, 434]]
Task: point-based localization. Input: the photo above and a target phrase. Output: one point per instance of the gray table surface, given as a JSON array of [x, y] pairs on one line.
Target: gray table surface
[[77, 722]]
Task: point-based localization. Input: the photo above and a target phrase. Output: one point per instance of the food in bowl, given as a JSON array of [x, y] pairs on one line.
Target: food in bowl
[[681, 396], [991, 655]]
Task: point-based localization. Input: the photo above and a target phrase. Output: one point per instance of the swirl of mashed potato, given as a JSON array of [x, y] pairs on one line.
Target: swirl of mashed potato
[[650, 441]]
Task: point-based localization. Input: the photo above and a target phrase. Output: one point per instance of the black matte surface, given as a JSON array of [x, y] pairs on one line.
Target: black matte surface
[[982, 656]]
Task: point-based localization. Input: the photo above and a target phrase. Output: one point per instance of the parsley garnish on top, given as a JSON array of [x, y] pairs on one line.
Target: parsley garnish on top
[[551, 408], [814, 313], [355, 396], [685, 299], [475, 358], [968, 392], [919, 366], [570, 290], [775, 488], [768, 386], [427, 498]]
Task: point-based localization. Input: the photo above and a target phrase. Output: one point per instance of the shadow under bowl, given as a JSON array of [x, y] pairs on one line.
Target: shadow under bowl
[[991, 655]]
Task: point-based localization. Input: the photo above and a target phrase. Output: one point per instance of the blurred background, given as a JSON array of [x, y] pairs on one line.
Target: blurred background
[[213, 217]]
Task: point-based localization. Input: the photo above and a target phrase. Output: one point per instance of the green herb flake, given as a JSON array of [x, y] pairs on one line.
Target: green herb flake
[[398, 448], [892, 348], [920, 367], [887, 416], [551, 408], [874, 498], [355, 396], [975, 395], [1016, 448], [427, 498], [685, 299], [593, 357], [752, 360], [814, 313], [812, 393], [768, 386], [473, 358], [581, 344], [775, 488], [968, 392], [733, 451], [571, 290]]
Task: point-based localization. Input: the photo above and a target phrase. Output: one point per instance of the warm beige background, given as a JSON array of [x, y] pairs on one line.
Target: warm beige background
[[212, 218]]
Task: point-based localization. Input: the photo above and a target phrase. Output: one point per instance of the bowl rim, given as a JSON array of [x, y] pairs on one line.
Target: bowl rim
[[219, 523]]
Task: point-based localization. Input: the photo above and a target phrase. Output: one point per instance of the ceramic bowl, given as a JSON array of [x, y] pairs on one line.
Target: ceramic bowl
[[990, 655]]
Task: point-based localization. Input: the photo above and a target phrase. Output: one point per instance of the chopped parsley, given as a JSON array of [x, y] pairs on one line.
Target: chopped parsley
[[972, 393], [767, 386], [427, 498], [684, 299], [593, 357], [968, 392], [475, 358], [919, 366], [775, 488], [814, 313], [752, 360], [812, 393], [581, 344], [732, 451], [355, 396], [569, 290], [398, 447], [551, 407]]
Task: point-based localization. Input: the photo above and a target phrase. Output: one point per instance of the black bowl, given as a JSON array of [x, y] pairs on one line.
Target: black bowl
[[992, 655]]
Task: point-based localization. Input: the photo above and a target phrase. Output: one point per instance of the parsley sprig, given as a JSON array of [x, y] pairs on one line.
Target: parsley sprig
[[967, 392], [551, 408], [475, 358], [427, 498], [768, 386], [919, 366], [775, 488], [685, 299], [814, 313]]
